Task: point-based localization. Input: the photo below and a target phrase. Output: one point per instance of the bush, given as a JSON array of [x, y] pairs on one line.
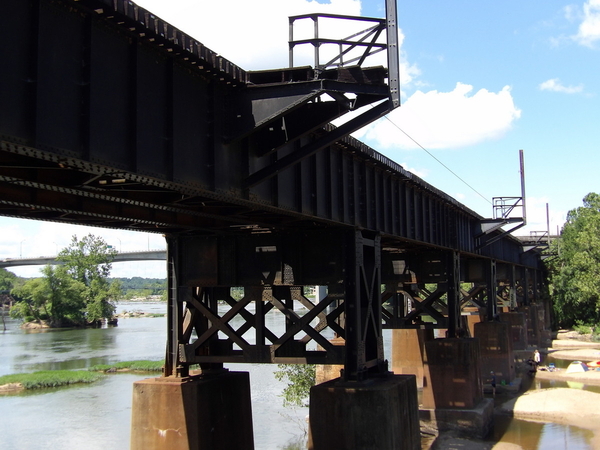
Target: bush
[[300, 378], [583, 328]]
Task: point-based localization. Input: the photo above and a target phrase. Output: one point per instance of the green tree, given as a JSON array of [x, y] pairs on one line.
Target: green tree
[[575, 271], [89, 261], [7, 280], [299, 378], [75, 292], [55, 297], [30, 304]]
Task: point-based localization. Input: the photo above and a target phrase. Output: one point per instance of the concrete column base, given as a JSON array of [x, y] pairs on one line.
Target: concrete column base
[[408, 349], [495, 346], [192, 413], [518, 328], [378, 414], [452, 374], [326, 372], [476, 422]]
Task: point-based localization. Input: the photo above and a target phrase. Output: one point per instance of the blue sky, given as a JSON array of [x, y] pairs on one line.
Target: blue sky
[[479, 81]]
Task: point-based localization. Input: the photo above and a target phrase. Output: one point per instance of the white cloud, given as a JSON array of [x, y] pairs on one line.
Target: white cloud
[[445, 119], [251, 34], [555, 85], [589, 29], [421, 173], [571, 13]]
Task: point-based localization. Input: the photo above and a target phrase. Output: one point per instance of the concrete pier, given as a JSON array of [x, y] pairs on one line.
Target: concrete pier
[[495, 346], [518, 328], [533, 325], [326, 372], [192, 413], [378, 414], [408, 352], [452, 374], [453, 390]]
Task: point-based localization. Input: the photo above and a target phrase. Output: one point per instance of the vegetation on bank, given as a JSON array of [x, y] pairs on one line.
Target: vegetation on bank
[[138, 287], [49, 378], [136, 366], [76, 292], [574, 268], [57, 378]]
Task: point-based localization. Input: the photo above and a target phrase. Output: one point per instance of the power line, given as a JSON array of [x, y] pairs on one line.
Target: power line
[[440, 162]]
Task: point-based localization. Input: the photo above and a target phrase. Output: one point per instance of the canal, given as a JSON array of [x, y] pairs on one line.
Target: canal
[[97, 416]]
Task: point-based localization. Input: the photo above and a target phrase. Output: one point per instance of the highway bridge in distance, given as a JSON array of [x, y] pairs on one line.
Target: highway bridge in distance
[[145, 255]]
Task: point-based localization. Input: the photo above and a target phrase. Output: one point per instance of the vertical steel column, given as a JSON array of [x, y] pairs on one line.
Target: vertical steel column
[[364, 341], [536, 286], [513, 286], [491, 288], [174, 310], [526, 281], [453, 293], [317, 44], [392, 52], [291, 39]]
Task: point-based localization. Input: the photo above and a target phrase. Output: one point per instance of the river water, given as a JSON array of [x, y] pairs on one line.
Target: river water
[[98, 416]]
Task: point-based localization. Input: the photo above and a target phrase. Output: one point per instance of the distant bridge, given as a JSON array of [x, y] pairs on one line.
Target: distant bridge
[[149, 255]]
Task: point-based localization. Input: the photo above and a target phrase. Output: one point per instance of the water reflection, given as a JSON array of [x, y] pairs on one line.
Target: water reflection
[[546, 384], [541, 436]]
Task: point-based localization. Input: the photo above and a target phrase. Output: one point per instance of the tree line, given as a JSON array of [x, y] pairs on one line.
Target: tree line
[[574, 267], [77, 291]]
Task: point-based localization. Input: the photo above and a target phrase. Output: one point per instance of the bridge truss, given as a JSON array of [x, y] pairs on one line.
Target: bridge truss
[[112, 117]]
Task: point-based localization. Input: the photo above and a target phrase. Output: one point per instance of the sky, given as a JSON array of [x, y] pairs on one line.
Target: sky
[[479, 82]]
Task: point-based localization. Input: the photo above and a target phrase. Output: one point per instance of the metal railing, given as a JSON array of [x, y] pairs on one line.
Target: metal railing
[[352, 50], [504, 206]]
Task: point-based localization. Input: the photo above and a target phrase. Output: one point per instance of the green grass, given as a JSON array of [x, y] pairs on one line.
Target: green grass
[[56, 378], [138, 366], [50, 378]]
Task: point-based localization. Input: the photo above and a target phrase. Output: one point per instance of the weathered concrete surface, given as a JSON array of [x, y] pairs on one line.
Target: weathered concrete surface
[[192, 413], [452, 374], [326, 372], [476, 422], [518, 328], [379, 414], [495, 346], [408, 352], [450, 442]]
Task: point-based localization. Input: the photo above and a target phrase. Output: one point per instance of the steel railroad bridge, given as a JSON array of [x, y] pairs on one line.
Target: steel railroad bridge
[[112, 117]]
